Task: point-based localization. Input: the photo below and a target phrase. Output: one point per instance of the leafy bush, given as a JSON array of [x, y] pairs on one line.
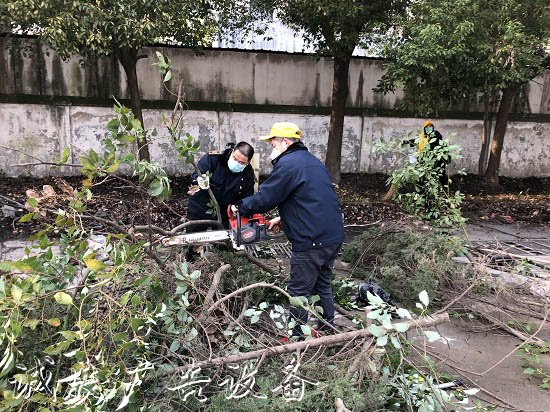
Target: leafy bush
[[418, 185], [404, 262]]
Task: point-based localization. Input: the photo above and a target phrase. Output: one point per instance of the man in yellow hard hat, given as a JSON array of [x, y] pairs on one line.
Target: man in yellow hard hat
[[301, 188]]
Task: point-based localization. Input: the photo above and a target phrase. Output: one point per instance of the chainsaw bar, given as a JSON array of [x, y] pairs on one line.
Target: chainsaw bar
[[197, 238]]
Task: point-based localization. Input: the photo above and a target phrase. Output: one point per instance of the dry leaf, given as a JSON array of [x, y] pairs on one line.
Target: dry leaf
[[48, 191]]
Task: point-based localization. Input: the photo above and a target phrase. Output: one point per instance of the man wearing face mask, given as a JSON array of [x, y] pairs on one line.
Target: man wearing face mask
[[231, 179], [301, 187]]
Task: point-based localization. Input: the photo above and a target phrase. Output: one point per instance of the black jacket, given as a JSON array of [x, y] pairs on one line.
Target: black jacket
[[301, 187], [228, 187]]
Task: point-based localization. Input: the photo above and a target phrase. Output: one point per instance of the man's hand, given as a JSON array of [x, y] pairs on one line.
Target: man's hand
[[233, 209], [274, 222], [193, 189], [203, 181]]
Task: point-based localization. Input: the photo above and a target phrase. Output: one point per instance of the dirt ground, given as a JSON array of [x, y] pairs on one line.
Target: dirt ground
[[519, 209], [515, 201]]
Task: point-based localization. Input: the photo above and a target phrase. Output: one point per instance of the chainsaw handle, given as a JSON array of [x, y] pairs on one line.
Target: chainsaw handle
[[238, 228]]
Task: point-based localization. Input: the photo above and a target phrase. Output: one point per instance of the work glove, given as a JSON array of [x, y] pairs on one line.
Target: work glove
[[233, 209], [203, 181], [276, 221]]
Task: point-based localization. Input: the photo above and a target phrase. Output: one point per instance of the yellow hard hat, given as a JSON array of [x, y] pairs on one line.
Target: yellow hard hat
[[428, 123], [283, 129]]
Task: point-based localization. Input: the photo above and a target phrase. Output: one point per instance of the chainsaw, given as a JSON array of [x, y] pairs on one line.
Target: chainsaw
[[242, 231]]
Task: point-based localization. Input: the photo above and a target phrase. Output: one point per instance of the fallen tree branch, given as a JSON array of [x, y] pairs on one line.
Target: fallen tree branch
[[278, 289], [245, 289], [326, 341], [519, 346], [235, 322], [258, 262], [344, 312], [456, 299], [209, 299], [504, 326]]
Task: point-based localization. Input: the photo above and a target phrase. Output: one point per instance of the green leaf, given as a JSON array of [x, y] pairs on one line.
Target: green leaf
[[94, 264], [69, 335], [254, 319], [32, 202], [175, 346], [167, 76], [376, 331], [124, 298], [114, 167], [5, 266], [401, 327], [529, 371], [113, 125], [136, 124], [31, 323], [26, 217], [57, 348], [395, 342], [298, 301], [65, 155], [374, 299], [306, 330], [403, 313], [250, 312], [16, 293], [63, 298], [382, 340]]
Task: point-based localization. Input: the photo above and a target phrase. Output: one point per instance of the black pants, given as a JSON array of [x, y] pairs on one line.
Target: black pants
[[311, 274]]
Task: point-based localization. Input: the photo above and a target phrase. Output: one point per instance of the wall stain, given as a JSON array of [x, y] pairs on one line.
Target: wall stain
[[5, 83], [359, 95], [76, 79]]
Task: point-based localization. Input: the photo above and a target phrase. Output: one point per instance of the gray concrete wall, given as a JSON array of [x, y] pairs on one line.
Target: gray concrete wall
[[43, 131], [47, 104], [219, 76]]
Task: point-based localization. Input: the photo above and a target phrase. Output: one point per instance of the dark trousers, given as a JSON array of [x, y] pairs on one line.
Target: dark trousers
[[311, 274]]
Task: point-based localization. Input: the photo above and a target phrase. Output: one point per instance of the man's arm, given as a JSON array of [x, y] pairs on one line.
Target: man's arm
[[249, 181], [278, 186]]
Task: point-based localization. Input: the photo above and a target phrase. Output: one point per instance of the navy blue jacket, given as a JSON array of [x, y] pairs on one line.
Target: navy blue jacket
[[301, 187], [228, 187]]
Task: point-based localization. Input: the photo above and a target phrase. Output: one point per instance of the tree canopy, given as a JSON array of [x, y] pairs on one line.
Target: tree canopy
[[451, 51], [121, 28], [335, 28], [100, 27]]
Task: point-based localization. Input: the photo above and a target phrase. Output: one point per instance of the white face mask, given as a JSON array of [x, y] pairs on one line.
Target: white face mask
[[276, 152]]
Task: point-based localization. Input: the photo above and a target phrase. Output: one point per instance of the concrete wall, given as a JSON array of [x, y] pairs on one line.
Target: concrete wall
[[216, 76], [47, 104], [44, 130]]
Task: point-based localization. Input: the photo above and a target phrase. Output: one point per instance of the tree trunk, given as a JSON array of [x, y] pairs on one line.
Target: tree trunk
[[333, 160], [128, 58], [491, 174], [485, 139]]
